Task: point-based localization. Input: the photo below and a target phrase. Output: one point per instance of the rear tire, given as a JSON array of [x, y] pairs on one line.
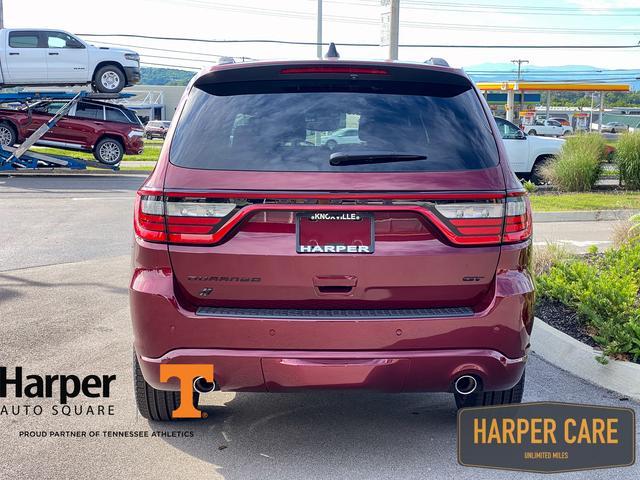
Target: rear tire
[[8, 135], [500, 397], [154, 404], [109, 151], [536, 172]]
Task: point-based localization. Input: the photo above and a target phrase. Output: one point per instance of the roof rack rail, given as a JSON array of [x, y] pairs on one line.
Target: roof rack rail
[[441, 62]]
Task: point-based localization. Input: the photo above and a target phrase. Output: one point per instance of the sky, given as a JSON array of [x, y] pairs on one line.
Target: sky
[[496, 22]]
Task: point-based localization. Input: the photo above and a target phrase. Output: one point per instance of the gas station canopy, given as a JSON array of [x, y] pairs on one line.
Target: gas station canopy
[[510, 88], [558, 87]]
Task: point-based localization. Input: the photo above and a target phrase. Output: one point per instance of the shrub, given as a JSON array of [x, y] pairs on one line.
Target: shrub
[[604, 293], [577, 167], [628, 159], [529, 186]]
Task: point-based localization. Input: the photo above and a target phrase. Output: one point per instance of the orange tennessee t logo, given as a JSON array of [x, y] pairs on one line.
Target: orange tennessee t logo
[[186, 374]]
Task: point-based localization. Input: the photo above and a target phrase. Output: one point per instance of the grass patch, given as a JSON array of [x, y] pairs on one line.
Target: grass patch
[[151, 152], [556, 202]]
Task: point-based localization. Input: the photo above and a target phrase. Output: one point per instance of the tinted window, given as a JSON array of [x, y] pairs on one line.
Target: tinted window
[[49, 108], [87, 110], [131, 115], [115, 115], [507, 129], [288, 131], [23, 39]]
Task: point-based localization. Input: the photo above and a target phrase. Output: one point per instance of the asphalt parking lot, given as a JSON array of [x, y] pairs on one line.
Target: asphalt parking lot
[[64, 266]]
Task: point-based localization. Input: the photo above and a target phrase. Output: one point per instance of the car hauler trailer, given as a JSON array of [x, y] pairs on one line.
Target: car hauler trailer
[[21, 158]]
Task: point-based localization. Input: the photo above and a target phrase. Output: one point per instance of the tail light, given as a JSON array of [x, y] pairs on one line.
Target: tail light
[[204, 220], [484, 223], [476, 223], [179, 219], [518, 224]]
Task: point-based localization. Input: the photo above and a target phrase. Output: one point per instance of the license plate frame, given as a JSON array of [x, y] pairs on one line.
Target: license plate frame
[[347, 218]]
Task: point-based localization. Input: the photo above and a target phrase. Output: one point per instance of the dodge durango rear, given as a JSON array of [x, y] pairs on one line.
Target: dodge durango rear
[[395, 258]]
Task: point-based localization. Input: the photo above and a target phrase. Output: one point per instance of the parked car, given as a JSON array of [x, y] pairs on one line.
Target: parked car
[[527, 155], [344, 136], [55, 57], [106, 129], [550, 128], [156, 129], [615, 127], [562, 121], [398, 264]]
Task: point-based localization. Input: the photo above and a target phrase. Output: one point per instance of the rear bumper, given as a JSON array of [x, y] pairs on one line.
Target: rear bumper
[[272, 353], [390, 371], [134, 145]]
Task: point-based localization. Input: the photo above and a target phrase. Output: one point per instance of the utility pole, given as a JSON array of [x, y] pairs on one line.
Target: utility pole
[[519, 62], [520, 92], [390, 26], [319, 30], [1, 15], [394, 30]]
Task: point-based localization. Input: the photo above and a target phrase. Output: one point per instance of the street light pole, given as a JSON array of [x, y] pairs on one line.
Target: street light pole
[[1, 15], [319, 30]]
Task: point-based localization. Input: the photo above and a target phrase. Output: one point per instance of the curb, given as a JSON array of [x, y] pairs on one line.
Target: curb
[[575, 357], [583, 215]]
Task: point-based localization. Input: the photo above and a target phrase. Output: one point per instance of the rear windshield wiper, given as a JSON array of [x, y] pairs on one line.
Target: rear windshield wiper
[[342, 158]]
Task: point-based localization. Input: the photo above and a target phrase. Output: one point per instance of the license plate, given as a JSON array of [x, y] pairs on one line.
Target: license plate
[[334, 232]]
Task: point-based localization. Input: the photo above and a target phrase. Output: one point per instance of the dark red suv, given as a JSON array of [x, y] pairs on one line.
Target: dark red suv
[[108, 130], [399, 262]]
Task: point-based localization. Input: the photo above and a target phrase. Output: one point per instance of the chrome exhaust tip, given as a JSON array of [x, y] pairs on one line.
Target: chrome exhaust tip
[[466, 385], [201, 385]]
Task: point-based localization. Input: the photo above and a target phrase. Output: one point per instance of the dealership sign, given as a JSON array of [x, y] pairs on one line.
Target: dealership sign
[[546, 437]]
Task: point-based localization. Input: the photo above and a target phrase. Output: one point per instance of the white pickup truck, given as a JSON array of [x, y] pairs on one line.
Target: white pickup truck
[[527, 155], [550, 128], [31, 57]]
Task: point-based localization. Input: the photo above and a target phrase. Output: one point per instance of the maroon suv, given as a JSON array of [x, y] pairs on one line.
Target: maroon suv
[[399, 262], [108, 130]]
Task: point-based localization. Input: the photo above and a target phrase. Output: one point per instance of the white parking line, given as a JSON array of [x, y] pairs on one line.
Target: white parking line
[[103, 198]]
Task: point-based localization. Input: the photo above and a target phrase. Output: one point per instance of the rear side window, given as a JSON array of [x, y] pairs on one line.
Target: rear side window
[[89, 111], [299, 130], [115, 115], [23, 39]]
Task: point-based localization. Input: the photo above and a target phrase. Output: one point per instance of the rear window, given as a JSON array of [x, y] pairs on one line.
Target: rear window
[[297, 127]]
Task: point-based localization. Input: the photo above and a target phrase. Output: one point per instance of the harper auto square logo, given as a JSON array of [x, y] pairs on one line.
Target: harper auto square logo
[[186, 375], [345, 216]]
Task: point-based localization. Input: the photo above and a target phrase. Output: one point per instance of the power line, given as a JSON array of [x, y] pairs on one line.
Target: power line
[[351, 44], [170, 50]]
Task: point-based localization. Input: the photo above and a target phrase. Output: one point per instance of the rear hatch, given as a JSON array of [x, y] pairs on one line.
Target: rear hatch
[[267, 206]]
